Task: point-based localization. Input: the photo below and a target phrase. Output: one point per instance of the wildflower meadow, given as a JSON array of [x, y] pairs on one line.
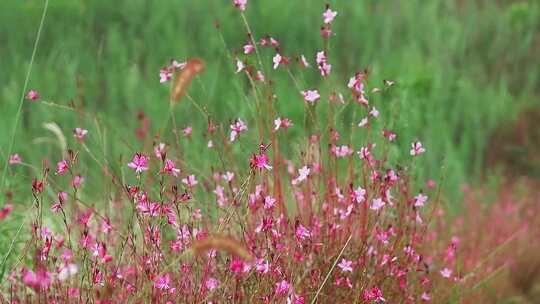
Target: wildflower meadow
[[257, 151]]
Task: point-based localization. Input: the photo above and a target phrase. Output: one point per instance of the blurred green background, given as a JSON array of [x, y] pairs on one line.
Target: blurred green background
[[463, 68]]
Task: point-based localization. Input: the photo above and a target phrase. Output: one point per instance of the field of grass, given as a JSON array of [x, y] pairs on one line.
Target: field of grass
[[462, 70]]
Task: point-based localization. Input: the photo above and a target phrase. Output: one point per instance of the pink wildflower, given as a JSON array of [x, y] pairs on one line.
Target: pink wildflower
[[32, 95], [377, 204], [240, 4], [15, 159], [420, 200], [329, 16], [80, 134], [417, 148], [139, 163], [170, 169], [282, 288], [303, 174], [345, 265], [236, 128], [311, 96], [62, 167]]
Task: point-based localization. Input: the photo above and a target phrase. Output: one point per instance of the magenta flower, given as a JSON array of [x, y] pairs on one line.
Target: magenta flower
[[248, 48], [32, 95], [77, 181], [62, 167], [139, 163], [170, 169], [15, 159], [260, 161], [417, 148], [329, 16], [211, 284], [302, 232], [282, 123], [80, 134], [303, 174], [163, 282], [311, 96], [190, 180], [282, 288]]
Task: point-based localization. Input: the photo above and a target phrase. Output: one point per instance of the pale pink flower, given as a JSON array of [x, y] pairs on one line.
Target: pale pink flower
[[80, 134], [32, 95], [68, 271], [311, 96], [15, 159], [446, 273], [187, 131], [390, 135], [345, 265], [62, 167], [260, 76], [425, 297], [325, 69], [342, 151], [77, 181], [236, 128], [359, 195], [169, 168], [374, 112], [420, 200], [269, 202], [417, 148], [211, 284], [363, 122], [190, 180], [304, 62], [277, 60], [239, 66], [303, 174], [159, 150], [320, 57], [240, 4], [262, 266], [165, 74], [329, 16], [139, 163], [377, 204]]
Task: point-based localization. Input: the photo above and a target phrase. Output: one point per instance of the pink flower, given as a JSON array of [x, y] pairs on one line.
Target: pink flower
[[391, 136], [342, 151], [322, 63], [240, 4], [282, 288], [170, 169], [375, 294], [40, 280], [80, 134], [311, 96], [282, 123], [62, 167], [260, 76], [420, 200], [15, 159], [228, 176], [329, 16], [277, 60], [417, 148], [260, 161], [269, 202], [159, 150], [165, 75], [236, 128], [377, 204], [32, 95], [77, 181], [374, 112], [139, 163], [162, 282], [262, 266], [187, 131], [5, 211], [346, 266], [359, 195], [425, 297], [363, 122], [446, 273], [248, 48], [211, 284], [68, 271], [303, 174], [190, 180]]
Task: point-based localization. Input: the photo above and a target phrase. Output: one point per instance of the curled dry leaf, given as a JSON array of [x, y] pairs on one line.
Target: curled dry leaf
[[184, 77], [221, 242]]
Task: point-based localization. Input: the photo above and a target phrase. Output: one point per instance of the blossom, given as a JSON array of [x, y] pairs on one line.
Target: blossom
[[80, 134], [68, 271], [311, 96], [391, 136], [282, 123], [162, 282], [417, 148], [62, 167], [239, 65], [190, 180], [236, 128], [425, 297], [5, 211], [377, 204], [322, 63], [32, 95], [159, 150], [359, 194], [260, 161], [240, 4], [302, 232], [374, 112], [187, 131], [169, 168], [304, 62], [282, 288], [165, 75], [363, 122], [77, 181], [303, 173], [269, 202], [248, 48], [139, 163], [211, 284], [228, 176], [342, 151], [446, 273], [419, 200], [277, 60], [345, 265], [15, 159], [329, 16]]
